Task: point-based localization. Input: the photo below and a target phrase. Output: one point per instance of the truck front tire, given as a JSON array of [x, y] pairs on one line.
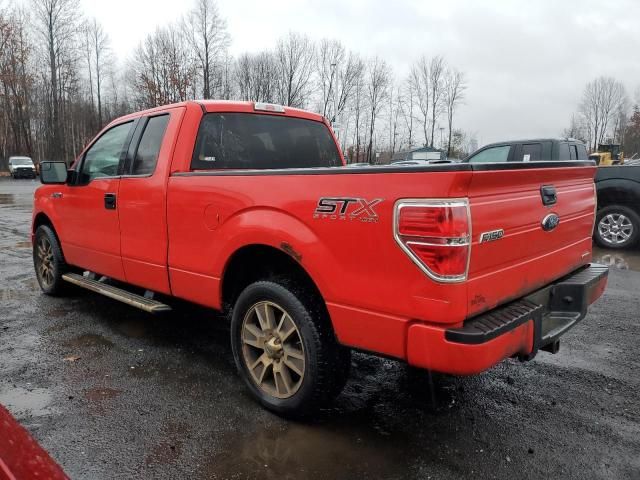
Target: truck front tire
[[49, 262], [285, 349], [617, 227]]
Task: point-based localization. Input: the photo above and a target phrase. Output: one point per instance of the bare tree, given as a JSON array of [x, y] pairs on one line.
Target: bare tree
[[16, 84], [437, 68], [406, 105], [358, 110], [162, 69], [206, 32], [577, 129], [295, 56], [454, 87], [337, 76], [419, 84], [395, 108], [378, 80], [56, 21], [98, 53], [257, 77], [603, 99]]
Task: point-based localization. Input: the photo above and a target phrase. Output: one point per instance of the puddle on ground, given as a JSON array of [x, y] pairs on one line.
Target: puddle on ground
[[7, 294], [7, 199], [58, 312], [99, 399], [89, 340], [170, 448], [31, 283], [297, 451], [100, 394], [132, 328], [26, 401], [621, 259]]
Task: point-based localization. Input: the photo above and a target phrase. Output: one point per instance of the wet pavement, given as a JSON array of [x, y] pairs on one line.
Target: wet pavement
[[112, 392]]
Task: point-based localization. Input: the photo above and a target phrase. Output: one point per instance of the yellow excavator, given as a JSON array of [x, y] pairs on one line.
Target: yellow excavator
[[607, 154]]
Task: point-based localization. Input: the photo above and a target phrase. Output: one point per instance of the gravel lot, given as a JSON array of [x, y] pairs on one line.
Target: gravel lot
[[112, 392]]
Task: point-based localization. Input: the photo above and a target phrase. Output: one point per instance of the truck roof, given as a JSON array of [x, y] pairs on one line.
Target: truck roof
[[533, 140], [228, 106]]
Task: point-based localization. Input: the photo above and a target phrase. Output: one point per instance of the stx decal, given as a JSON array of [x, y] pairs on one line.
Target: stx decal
[[347, 208]]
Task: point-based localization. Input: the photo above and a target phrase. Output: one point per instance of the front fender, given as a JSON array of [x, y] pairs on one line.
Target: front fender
[[43, 205]]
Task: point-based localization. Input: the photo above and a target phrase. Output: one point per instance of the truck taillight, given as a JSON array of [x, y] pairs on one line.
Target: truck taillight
[[436, 235]]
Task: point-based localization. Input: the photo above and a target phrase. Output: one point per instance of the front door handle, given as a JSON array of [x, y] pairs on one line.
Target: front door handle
[[110, 201]]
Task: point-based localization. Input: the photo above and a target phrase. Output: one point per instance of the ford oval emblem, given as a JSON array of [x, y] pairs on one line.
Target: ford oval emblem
[[550, 222]]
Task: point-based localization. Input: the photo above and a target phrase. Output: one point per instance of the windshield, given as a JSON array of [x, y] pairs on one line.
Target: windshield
[[20, 161]]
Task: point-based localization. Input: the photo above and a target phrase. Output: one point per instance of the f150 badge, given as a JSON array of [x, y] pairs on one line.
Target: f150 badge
[[347, 208], [491, 236]]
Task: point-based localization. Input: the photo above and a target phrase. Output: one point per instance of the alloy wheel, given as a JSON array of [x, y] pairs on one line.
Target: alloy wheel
[[45, 262], [272, 350], [615, 228]]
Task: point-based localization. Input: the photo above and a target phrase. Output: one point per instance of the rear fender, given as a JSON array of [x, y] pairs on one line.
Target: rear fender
[[255, 226]]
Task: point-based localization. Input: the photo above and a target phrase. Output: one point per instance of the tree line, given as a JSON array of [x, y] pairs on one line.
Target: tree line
[[607, 115], [60, 82]]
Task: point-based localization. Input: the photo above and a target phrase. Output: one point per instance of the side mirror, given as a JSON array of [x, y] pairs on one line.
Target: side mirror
[[53, 172]]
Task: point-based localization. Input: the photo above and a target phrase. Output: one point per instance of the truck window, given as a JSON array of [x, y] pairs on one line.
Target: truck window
[[582, 152], [531, 152], [254, 141], [563, 154], [103, 157], [573, 152], [492, 155], [144, 162]]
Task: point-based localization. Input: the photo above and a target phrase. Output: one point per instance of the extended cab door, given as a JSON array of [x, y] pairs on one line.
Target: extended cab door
[[87, 207], [143, 201]]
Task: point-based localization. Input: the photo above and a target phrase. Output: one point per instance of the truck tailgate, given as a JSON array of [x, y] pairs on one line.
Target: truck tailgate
[[512, 253]]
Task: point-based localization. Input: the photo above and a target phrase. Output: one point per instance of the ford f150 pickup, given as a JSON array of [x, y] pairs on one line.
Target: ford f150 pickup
[[247, 208]]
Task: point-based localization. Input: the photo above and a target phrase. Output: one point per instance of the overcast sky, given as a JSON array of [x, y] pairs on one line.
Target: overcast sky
[[526, 62]]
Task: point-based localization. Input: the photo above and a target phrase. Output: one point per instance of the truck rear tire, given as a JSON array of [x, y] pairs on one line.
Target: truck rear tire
[[285, 349], [49, 262], [617, 227]]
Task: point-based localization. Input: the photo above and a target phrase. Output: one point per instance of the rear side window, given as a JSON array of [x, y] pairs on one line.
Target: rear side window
[[531, 152], [254, 141], [573, 150], [582, 152], [146, 157], [492, 155], [563, 154]]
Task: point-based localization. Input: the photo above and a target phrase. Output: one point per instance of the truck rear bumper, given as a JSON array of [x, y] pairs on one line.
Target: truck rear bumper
[[521, 328]]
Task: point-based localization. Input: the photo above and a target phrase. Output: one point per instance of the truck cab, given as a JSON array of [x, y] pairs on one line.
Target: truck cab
[[534, 150]]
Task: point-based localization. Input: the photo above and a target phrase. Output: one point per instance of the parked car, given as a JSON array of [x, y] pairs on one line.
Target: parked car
[[618, 216], [530, 151], [22, 167], [420, 162], [247, 208]]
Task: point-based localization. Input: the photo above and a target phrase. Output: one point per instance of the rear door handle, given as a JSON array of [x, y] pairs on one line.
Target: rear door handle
[[548, 194], [110, 201]]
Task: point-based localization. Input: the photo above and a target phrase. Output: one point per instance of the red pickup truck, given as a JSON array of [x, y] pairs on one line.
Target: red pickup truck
[[249, 209]]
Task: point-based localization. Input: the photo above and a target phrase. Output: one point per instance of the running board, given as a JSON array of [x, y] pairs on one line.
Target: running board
[[138, 301]]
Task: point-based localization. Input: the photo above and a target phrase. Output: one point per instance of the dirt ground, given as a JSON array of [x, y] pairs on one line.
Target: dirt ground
[[112, 392]]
